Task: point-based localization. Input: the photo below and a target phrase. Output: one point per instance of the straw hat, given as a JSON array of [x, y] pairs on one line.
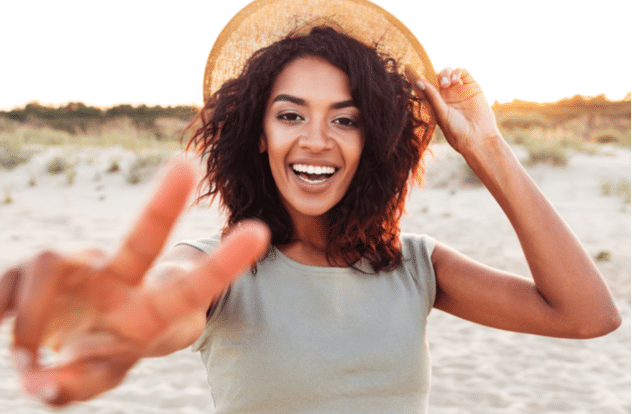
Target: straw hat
[[264, 22]]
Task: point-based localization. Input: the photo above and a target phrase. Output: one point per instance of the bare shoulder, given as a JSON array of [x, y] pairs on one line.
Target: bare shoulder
[[183, 253]]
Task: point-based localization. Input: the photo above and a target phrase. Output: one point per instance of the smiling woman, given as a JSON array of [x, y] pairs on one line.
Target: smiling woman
[[324, 109], [311, 299]]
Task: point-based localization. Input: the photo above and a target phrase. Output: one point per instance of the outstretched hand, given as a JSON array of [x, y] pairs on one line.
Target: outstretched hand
[[462, 111], [99, 313]]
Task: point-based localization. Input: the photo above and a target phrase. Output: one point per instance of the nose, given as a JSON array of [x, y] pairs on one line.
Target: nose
[[315, 137]]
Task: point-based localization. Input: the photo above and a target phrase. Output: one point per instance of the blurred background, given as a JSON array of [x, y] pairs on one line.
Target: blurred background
[[95, 96], [130, 72]]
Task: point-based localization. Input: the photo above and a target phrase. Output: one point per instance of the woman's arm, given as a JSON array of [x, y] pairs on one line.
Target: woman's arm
[[567, 296]]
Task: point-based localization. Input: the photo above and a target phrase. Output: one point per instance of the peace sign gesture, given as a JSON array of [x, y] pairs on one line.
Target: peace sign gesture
[[103, 313]]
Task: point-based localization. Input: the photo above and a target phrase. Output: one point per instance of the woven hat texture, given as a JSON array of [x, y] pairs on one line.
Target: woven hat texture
[[264, 22]]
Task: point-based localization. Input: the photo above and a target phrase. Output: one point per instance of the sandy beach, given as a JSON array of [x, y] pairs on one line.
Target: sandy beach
[[475, 369]]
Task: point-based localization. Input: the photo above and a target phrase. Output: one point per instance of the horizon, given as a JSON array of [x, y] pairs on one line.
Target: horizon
[[156, 54], [626, 98]]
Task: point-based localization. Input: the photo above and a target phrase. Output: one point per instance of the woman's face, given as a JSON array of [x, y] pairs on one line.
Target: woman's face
[[313, 135]]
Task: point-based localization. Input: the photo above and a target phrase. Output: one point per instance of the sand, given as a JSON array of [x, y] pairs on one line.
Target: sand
[[475, 369]]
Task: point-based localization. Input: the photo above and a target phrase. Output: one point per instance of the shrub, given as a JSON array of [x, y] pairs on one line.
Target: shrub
[[603, 256], [579, 145], [606, 188], [133, 176], [522, 120], [12, 157], [547, 153], [43, 136], [144, 166], [623, 190], [7, 196], [620, 189], [71, 173], [152, 160], [114, 167], [611, 136], [57, 165]]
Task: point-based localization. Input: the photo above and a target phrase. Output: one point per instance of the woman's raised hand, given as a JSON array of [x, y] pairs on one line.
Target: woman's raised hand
[[102, 314], [463, 113]]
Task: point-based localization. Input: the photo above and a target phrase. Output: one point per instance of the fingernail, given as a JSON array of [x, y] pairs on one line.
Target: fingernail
[[22, 359], [40, 388], [444, 81], [455, 78], [421, 85], [48, 393]]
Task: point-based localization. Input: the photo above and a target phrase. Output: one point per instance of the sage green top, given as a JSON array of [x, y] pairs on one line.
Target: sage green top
[[292, 338]]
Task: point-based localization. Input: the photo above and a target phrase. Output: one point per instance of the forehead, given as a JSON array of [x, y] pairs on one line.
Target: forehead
[[312, 78]]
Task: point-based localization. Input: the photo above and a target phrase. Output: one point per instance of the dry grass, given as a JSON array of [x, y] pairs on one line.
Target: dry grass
[[544, 140], [551, 142], [18, 142], [58, 165], [12, 157], [611, 136], [8, 199], [556, 143], [144, 166], [117, 132], [619, 189]]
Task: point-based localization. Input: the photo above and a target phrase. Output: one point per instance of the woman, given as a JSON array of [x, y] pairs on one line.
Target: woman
[[318, 137]]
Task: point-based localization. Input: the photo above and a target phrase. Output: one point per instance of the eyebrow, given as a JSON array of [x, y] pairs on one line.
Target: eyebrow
[[300, 101]]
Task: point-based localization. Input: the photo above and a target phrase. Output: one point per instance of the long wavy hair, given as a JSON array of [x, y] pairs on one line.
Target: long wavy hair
[[365, 223]]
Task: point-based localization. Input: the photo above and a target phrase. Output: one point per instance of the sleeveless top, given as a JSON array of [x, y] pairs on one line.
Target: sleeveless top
[[292, 338]]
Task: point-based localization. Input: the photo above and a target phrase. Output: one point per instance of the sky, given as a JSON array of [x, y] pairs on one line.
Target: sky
[[104, 53]]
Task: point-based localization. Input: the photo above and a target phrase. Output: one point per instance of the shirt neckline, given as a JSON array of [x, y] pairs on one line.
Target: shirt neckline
[[314, 269]]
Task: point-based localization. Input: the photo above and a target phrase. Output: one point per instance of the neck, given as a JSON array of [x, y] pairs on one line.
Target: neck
[[309, 240]]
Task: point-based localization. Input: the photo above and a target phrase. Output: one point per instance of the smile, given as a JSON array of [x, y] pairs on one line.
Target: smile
[[313, 174]]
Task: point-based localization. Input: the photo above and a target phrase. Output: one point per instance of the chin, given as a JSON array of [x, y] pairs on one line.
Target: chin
[[309, 209]]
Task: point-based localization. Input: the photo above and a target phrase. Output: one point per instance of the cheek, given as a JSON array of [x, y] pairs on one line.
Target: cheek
[[276, 149], [276, 152], [354, 153]]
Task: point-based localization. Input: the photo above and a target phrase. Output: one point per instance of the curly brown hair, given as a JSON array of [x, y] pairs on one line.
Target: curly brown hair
[[365, 223]]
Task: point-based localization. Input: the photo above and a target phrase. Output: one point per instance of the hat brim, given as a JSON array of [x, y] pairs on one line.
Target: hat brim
[[264, 22]]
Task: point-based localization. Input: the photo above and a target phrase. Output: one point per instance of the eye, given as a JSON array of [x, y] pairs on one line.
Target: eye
[[346, 121], [289, 117]]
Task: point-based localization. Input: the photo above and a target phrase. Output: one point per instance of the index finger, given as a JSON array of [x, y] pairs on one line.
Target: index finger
[[146, 239]]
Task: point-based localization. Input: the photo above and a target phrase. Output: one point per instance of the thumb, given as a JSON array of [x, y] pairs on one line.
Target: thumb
[[435, 99], [243, 246], [428, 90]]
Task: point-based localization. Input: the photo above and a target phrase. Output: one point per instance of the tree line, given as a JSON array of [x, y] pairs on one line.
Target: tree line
[[77, 117], [78, 110], [569, 108]]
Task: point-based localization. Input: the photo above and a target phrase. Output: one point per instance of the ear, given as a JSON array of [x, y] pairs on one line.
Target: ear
[[263, 144]]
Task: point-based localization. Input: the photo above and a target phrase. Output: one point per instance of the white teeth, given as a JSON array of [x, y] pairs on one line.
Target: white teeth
[[311, 169], [313, 181]]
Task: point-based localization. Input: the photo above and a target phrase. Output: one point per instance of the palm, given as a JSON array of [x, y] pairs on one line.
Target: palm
[[101, 313], [94, 314]]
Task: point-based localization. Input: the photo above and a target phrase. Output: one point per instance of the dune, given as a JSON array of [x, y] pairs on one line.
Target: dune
[[475, 369]]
